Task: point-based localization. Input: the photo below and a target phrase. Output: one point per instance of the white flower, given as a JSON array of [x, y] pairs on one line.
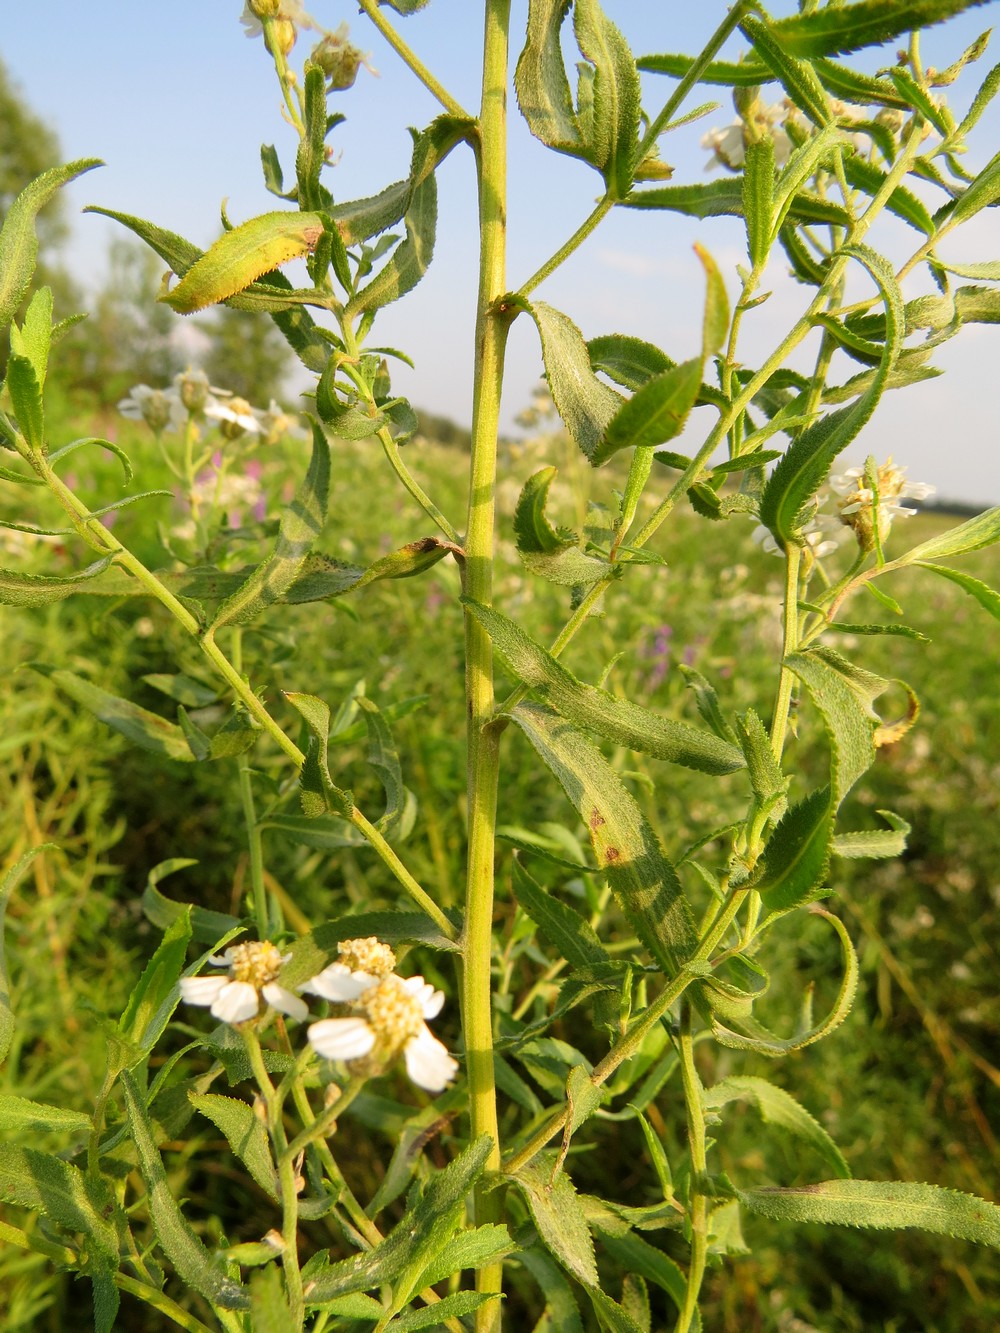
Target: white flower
[[252, 970], [812, 535], [858, 507], [729, 145], [290, 10], [235, 418], [276, 424], [161, 409], [387, 1017]]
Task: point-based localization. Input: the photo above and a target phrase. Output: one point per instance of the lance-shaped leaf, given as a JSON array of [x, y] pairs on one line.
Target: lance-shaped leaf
[[60, 1191], [207, 927], [748, 1034], [558, 1216], [543, 91], [654, 414], [724, 198], [563, 928], [850, 27], [154, 997], [551, 553], [407, 561], [409, 261], [302, 522], [585, 404], [612, 122], [147, 730], [798, 79], [777, 1107], [973, 535], [241, 256], [20, 1115], [319, 792], [245, 1132], [26, 396], [797, 854], [311, 156], [618, 720], [635, 1255], [987, 597], [758, 192], [787, 499], [850, 725], [766, 778], [883, 1204], [844, 83], [33, 339], [18, 241], [424, 1232], [383, 757], [18, 589], [182, 1247], [877, 844], [641, 877]]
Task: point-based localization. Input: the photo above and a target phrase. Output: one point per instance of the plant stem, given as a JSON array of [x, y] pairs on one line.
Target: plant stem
[[589, 224], [410, 58], [392, 861], [254, 846], [391, 450], [779, 720], [699, 1165], [490, 145]]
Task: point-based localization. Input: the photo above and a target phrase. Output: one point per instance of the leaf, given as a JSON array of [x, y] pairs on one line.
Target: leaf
[[786, 502], [973, 535], [766, 778], [798, 78], [635, 1255], [558, 1216], [850, 27], [987, 597], [407, 561], [470, 1249], [34, 590], [561, 1310], [245, 1133], [777, 1107], [614, 117], [241, 256], [654, 414], [894, 1204], [61, 1192], [865, 175], [301, 524], [629, 361], [757, 194], [797, 854], [723, 198], [540, 82], [154, 997], [191, 1260], [26, 396], [448, 1307], [18, 242], [423, 1232], [33, 339], [585, 404], [147, 730], [318, 791], [875, 843], [533, 533], [268, 1306], [747, 1034], [410, 259], [610, 1314], [643, 881], [849, 726], [383, 757], [617, 719], [564, 929], [19, 1115], [207, 927]]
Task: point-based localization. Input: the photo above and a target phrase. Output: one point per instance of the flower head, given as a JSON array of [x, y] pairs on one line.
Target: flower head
[[385, 1016], [251, 976], [865, 509], [276, 424], [338, 59], [235, 417], [161, 409]]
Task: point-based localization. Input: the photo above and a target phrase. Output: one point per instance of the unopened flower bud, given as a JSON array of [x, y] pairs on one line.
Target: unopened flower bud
[[193, 387], [338, 59], [275, 1240], [264, 9], [279, 36]]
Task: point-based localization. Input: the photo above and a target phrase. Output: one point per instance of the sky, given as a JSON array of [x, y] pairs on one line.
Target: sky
[[177, 101]]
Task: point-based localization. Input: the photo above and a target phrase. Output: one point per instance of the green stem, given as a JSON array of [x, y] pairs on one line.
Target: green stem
[[324, 1122], [492, 324], [782, 703], [410, 58], [392, 861], [391, 450], [254, 843], [699, 1166], [589, 224], [157, 1300]]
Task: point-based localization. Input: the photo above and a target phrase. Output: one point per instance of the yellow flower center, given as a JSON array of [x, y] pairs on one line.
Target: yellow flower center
[[393, 1013], [368, 955], [257, 962]]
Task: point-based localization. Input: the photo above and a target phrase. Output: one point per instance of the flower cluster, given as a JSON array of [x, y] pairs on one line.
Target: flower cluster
[[381, 1018], [191, 399]]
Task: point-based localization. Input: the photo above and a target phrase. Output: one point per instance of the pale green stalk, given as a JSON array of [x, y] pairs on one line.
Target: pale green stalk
[[410, 58], [490, 146], [159, 1301], [699, 1166], [790, 643], [261, 909]]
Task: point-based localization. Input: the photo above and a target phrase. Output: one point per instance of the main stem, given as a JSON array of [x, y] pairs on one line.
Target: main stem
[[483, 740]]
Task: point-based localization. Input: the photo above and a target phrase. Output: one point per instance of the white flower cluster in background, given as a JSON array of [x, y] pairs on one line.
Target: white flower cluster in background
[[383, 1017], [190, 398]]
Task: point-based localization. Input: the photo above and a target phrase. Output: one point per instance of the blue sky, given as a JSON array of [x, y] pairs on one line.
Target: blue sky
[[177, 102]]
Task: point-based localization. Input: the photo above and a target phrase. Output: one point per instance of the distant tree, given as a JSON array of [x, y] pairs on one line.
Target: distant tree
[[27, 148], [247, 355]]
